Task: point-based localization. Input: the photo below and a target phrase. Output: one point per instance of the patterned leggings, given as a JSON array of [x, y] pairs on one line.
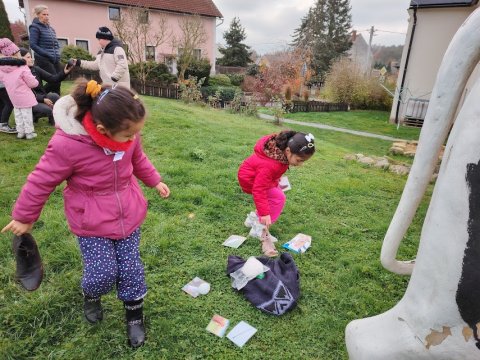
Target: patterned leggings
[[107, 262]]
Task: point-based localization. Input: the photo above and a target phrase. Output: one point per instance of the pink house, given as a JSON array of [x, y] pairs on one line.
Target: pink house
[[76, 22]]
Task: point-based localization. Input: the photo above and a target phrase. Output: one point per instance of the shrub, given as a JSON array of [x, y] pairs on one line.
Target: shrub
[[288, 93], [253, 70], [346, 83], [306, 95], [199, 69], [241, 105], [214, 100], [154, 71], [236, 79], [168, 78], [227, 93], [74, 52], [220, 80], [190, 90]]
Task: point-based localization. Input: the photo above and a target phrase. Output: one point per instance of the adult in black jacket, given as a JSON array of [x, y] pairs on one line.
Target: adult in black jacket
[[45, 99]]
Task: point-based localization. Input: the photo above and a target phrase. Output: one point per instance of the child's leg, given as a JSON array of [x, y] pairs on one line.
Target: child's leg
[[19, 122], [131, 276], [99, 265], [28, 120], [99, 273], [131, 286], [276, 200]]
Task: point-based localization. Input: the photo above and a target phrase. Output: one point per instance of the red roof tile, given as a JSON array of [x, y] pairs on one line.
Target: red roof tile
[[200, 7]]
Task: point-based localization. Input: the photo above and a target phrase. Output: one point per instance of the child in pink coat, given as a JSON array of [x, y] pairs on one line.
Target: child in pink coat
[[97, 150], [19, 82], [259, 175]]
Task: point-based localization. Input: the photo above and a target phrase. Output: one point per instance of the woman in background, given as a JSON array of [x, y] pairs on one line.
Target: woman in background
[[44, 43]]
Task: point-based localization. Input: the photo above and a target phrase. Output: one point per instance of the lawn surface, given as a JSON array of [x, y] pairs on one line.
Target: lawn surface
[[344, 206], [376, 122]]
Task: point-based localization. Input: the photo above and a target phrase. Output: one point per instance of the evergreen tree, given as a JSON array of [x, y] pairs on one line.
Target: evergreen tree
[[5, 31], [236, 53], [324, 33]]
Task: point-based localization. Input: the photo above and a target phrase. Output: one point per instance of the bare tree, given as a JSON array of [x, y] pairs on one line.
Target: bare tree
[[136, 29], [193, 36]]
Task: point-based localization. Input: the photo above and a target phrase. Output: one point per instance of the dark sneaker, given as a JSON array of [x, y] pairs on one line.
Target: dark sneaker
[[7, 129]]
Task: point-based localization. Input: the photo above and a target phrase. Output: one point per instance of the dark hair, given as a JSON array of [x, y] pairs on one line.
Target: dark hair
[[112, 108], [299, 143], [24, 51]]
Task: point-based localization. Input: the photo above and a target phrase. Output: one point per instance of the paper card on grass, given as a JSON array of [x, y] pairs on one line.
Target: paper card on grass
[[218, 325], [284, 183], [241, 333], [234, 241], [196, 287], [299, 244]]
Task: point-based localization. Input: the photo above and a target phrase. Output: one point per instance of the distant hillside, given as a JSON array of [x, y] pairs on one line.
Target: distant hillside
[[383, 55]]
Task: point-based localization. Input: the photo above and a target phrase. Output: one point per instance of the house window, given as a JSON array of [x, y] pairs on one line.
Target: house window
[[170, 62], [150, 53], [196, 53], [113, 13], [82, 44], [62, 43], [143, 17]]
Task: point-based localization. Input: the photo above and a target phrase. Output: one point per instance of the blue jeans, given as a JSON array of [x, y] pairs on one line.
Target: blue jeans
[[108, 262]]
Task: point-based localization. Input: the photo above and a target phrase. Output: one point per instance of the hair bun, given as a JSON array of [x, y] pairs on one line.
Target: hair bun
[[93, 89]]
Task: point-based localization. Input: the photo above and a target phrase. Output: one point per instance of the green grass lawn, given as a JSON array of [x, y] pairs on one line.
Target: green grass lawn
[[344, 206], [376, 122]]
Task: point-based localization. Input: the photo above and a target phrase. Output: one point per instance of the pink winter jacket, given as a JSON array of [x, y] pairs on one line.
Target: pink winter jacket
[[258, 173], [19, 82], [102, 197]]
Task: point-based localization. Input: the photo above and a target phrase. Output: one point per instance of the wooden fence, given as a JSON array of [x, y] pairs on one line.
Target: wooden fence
[[156, 89], [150, 88], [317, 106]]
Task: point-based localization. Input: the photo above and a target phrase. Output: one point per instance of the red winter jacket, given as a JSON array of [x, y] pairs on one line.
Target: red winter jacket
[[258, 173]]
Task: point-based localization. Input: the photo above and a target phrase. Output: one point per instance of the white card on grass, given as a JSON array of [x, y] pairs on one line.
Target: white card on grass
[[234, 241], [241, 333]]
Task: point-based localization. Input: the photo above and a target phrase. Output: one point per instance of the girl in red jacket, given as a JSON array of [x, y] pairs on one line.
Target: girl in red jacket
[[260, 174], [97, 151]]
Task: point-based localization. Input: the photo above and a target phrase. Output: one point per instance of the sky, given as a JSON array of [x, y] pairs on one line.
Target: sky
[[269, 24]]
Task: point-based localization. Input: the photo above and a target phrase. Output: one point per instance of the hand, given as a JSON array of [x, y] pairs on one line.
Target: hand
[[163, 190], [48, 102], [266, 220], [18, 228], [67, 69]]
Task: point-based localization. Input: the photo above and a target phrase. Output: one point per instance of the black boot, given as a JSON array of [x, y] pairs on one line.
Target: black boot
[[29, 270], [92, 308], [135, 322]]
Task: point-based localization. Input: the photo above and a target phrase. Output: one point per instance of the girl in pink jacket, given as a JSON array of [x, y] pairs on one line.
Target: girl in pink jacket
[[19, 82], [97, 150], [260, 174]]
